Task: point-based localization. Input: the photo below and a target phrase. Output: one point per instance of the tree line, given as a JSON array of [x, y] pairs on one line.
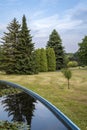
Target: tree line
[[19, 56]]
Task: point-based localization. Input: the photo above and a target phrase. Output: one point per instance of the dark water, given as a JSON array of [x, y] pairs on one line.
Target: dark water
[[16, 105]]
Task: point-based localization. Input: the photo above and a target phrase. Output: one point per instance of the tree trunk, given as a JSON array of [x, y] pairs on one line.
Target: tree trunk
[[68, 84]]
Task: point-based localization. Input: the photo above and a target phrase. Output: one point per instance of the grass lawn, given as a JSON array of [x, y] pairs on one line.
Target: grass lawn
[[53, 87]]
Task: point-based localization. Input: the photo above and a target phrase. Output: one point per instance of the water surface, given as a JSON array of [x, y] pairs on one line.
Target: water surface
[[16, 105]]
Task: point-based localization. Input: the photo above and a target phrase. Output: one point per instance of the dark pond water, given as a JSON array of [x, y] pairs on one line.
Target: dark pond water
[[16, 105]]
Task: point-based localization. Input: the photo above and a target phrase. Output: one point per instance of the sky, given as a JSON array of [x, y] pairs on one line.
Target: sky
[[68, 17]]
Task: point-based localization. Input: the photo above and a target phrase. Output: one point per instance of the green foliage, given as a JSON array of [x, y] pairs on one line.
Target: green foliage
[[83, 51], [72, 64], [37, 54], [1, 57], [5, 125], [10, 40], [33, 66], [70, 56], [51, 59], [4, 92], [18, 50], [26, 38], [67, 73], [66, 60], [55, 42], [43, 60], [24, 50]]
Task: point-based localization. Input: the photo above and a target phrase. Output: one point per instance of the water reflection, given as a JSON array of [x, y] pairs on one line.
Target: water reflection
[[19, 105], [16, 105], [6, 89]]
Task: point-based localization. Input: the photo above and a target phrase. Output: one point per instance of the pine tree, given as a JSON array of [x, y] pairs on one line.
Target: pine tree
[[51, 59], [82, 52], [10, 40], [55, 42]]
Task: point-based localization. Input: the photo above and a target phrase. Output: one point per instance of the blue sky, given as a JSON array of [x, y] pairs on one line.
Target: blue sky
[[68, 17]]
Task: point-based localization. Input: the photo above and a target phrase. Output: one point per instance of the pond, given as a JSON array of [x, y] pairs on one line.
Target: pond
[[27, 110]]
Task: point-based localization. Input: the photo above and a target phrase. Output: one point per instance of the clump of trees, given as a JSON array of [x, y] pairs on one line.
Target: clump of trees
[[18, 49], [46, 59], [18, 55], [78, 58], [17, 52]]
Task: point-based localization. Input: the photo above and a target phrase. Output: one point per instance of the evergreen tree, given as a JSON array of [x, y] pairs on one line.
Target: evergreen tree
[[82, 52], [24, 51], [18, 49], [43, 60], [51, 59], [37, 54], [10, 40], [33, 66], [55, 42], [1, 57]]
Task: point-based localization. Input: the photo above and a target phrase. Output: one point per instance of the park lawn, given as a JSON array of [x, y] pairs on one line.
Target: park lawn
[[53, 87]]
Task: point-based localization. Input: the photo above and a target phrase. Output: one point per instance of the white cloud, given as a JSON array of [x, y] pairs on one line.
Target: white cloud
[[69, 23], [71, 26], [43, 26], [2, 27]]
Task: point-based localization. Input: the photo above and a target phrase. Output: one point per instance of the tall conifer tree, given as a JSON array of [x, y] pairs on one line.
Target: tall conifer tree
[[18, 49], [10, 40], [55, 42], [24, 50]]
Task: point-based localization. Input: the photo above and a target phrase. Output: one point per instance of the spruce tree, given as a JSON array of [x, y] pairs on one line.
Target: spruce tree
[[18, 49], [55, 42], [51, 59], [10, 40], [24, 50]]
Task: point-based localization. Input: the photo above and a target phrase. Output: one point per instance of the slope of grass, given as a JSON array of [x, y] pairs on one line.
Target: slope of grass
[[53, 87]]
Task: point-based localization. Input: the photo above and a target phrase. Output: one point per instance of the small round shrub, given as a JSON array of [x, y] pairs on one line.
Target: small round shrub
[[72, 64]]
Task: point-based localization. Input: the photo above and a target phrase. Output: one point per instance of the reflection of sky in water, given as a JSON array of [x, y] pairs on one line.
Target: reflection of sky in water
[[44, 116], [4, 114]]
